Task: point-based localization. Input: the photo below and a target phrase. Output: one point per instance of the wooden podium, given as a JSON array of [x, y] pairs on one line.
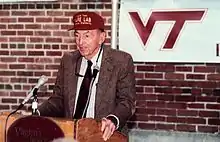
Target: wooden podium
[[83, 130]]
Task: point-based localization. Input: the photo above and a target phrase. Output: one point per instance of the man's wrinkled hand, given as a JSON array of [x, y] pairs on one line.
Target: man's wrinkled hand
[[108, 128]]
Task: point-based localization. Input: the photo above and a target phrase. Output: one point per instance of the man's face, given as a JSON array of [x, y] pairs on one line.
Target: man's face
[[88, 41]]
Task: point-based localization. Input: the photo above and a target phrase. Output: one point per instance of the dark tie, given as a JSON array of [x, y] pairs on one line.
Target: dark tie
[[84, 93]]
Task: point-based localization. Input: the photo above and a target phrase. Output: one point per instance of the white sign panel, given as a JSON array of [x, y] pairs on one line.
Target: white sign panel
[[170, 30]]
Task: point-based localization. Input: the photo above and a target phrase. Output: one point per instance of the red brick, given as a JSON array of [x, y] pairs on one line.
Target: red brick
[[139, 89], [165, 126], [153, 75], [16, 26], [176, 119], [148, 89], [209, 114], [186, 128], [46, 73], [3, 66], [3, 39], [145, 68], [206, 84], [43, 19], [156, 104], [195, 76], [18, 53], [32, 26], [32, 80], [8, 59], [151, 97], [164, 68], [3, 93], [19, 13], [4, 107], [53, 53], [18, 80], [4, 80], [36, 39], [35, 67], [206, 99], [17, 39], [25, 73], [55, 13], [174, 76], [16, 106], [213, 77], [8, 33], [139, 75], [38, 46], [187, 113], [61, 33], [164, 83], [214, 121], [176, 105], [196, 121], [7, 20], [7, 73], [26, 19], [149, 126], [54, 40], [37, 13], [36, 53], [156, 118], [16, 66], [167, 112], [61, 20], [51, 80], [52, 67], [183, 69], [4, 13], [196, 91], [165, 97], [204, 69], [106, 14], [9, 100], [196, 105], [2, 26], [28, 33], [213, 106], [207, 129], [25, 59], [4, 52], [185, 98], [42, 33]]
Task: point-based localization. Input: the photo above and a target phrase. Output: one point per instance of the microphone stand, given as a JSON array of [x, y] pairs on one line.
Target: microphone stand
[[35, 110]]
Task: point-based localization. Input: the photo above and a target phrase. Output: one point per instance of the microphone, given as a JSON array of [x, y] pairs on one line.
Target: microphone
[[42, 80]]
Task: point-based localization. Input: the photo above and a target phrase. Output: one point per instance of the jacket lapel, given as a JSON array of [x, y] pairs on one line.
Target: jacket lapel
[[76, 63], [104, 77]]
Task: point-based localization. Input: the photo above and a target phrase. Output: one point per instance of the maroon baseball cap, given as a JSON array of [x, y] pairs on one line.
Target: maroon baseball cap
[[87, 20]]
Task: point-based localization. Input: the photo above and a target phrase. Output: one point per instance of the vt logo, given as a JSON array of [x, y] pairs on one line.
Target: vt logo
[[178, 17]]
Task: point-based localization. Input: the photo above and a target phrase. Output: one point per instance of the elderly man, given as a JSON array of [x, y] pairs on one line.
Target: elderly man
[[94, 81]]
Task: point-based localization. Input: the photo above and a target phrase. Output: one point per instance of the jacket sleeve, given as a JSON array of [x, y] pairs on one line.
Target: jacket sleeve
[[54, 106], [125, 92]]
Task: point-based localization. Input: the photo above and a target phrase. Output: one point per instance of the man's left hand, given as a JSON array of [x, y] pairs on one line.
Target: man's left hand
[[108, 128]]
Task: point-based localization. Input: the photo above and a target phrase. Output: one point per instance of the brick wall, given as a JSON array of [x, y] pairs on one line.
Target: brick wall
[[179, 97]]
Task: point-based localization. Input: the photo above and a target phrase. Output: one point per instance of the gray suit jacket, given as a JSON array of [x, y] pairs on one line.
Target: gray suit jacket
[[115, 93]]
